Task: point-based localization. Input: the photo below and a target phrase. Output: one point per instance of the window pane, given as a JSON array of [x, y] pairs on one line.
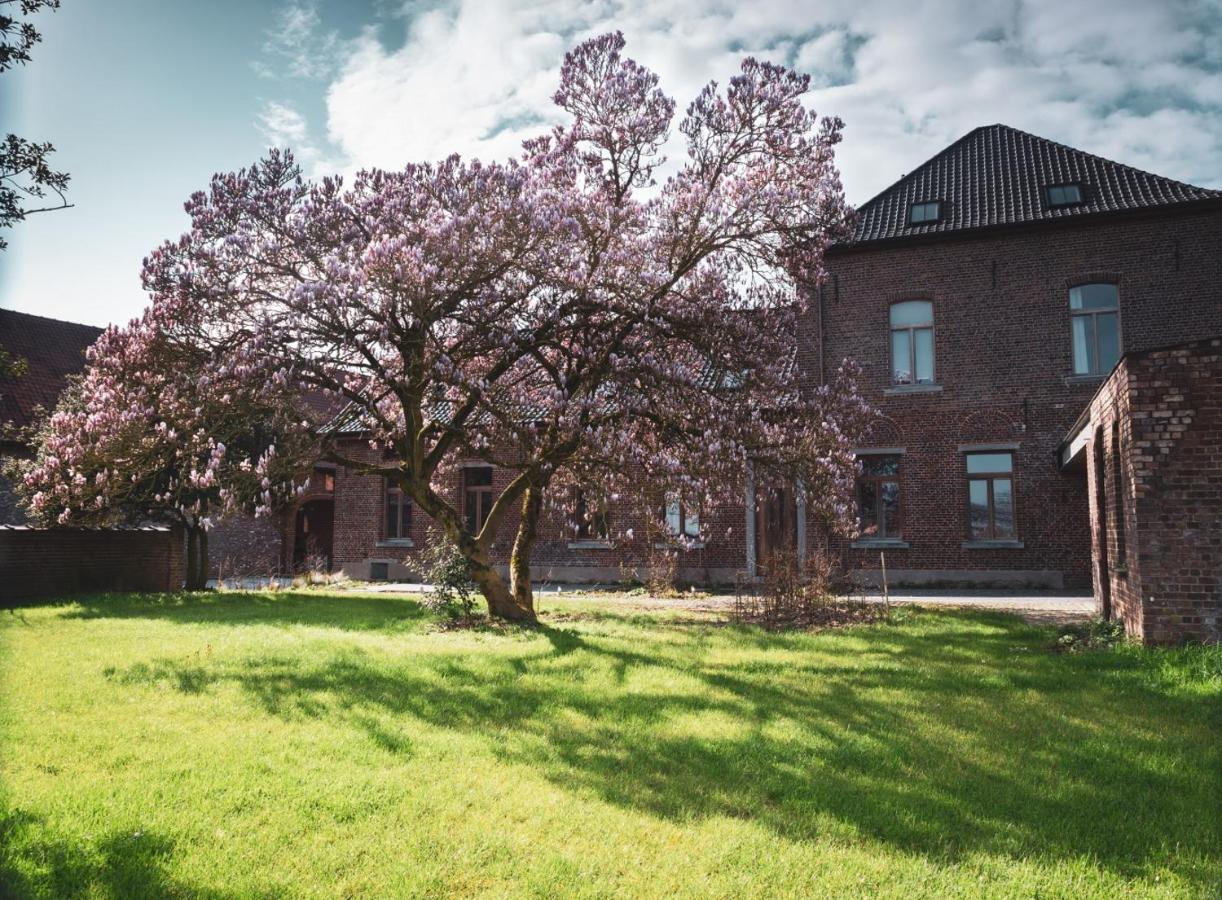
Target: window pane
[[1071, 193], [1056, 195], [879, 464], [1083, 345], [1003, 508], [476, 476], [866, 508], [485, 505], [691, 522], [890, 526], [1109, 340], [989, 462], [923, 339], [978, 504], [901, 358], [471, 511], [911, 312], [1094, 296], [673, 525], [392, 516]]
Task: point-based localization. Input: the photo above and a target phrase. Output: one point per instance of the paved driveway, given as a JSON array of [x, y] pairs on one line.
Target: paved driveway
[[1034, 606]]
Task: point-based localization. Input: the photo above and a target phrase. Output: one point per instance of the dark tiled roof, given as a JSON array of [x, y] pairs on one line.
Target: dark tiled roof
[[997, 175], [53, 349]]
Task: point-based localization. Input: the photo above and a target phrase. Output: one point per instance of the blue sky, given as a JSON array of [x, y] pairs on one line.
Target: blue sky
[[145, 99]]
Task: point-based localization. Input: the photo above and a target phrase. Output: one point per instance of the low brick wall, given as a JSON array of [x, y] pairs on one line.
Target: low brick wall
[[1155, 472], [47, 562]]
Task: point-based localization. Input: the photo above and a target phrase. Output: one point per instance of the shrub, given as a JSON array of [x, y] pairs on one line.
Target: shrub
[[453, 592], [1097, 634], [814, 592]]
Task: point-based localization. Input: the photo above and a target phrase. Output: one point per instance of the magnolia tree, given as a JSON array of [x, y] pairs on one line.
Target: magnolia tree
[[157, 431], [561, 315]]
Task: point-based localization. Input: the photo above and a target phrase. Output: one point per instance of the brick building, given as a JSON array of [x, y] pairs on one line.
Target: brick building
[[986, 295], [1150, 443]]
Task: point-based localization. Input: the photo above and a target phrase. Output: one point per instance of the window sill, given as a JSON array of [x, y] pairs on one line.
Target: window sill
[[880, 544], [694, 545], [396, 542], [992, 545], [899, 390], [1085, 379], [591, 545]]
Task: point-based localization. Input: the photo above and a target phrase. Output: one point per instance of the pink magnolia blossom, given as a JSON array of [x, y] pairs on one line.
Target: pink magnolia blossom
[[560, 315]]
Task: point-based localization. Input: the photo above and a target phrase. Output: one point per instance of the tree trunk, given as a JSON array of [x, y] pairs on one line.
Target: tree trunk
[[192, 558], [523, 545], [502, 602], [197, 558], [202, 578]]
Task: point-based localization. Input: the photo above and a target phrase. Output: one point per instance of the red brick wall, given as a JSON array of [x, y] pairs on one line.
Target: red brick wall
[[1003, 362], [53, 562], [1165, 406], [246, 545], [359, 537]]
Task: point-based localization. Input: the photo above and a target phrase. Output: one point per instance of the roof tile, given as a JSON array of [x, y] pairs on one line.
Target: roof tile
[[53, 349], [997, 175]]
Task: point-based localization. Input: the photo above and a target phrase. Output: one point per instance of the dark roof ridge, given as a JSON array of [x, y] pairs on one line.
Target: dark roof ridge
[[908, 175], [1110, 161], [20, 312], [997, 175]]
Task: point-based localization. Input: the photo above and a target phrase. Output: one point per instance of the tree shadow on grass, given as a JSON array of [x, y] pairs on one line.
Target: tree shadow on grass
[[123, 865], [939, 743], [233, 608]]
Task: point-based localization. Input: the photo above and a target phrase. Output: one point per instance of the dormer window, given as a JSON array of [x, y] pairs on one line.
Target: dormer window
[[925, 212], [1064, 194]]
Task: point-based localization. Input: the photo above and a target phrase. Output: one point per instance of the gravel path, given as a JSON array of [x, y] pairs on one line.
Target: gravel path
[[1034, 606]]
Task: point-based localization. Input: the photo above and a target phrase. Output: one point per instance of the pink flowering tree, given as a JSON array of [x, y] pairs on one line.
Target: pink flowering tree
[[152, 432], [562, 315]]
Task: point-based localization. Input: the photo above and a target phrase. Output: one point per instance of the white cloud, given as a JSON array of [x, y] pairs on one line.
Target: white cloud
[[284, 126], [298, 46], [1136, 81]]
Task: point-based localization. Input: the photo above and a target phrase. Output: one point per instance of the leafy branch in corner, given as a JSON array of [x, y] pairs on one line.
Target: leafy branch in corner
[[28, 184]]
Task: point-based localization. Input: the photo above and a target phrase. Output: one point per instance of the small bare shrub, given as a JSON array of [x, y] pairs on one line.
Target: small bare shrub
[[662, 571], [801, 594], [452, 590]]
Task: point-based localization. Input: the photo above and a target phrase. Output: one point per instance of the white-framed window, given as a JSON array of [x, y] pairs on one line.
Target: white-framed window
[[990, 496], [398, 511], [682, 518], [912, 346], [476, 496], [1064, 194], [1094, 316], [925, 212], [878, 496], [592, 518]]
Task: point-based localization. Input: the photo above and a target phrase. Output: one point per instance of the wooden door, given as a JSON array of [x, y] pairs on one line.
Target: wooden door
[[776, 526]]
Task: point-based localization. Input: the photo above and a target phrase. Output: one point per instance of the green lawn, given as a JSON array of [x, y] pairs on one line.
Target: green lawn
[[307, 744]]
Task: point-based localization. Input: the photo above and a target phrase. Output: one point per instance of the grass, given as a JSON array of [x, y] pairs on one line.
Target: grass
[[306, 744]]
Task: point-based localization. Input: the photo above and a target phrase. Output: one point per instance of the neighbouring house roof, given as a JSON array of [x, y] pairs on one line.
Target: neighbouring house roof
[[997, 175], [52, 349]]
